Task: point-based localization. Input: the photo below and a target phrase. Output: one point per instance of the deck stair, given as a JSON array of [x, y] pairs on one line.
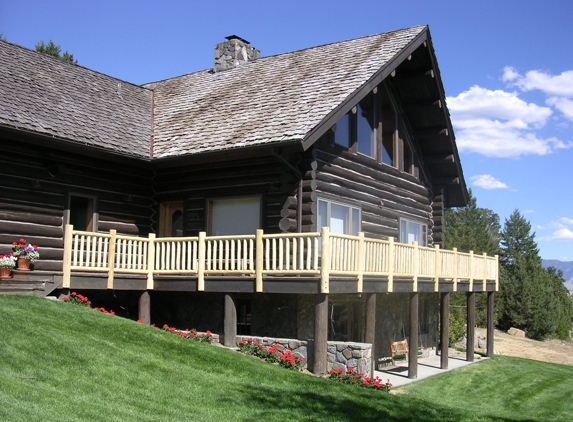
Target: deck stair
[[40, 283]]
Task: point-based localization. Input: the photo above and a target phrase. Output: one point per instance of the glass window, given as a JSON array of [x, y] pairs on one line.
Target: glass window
[[342, 134], [234, 216], [411, 231], [340, 218], [365, 124]]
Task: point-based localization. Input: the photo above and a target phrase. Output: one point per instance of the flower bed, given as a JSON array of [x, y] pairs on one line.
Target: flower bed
[[352, 376], [273, 354]]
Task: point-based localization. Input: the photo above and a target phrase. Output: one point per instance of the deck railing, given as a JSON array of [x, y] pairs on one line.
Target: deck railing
[[289, 254]]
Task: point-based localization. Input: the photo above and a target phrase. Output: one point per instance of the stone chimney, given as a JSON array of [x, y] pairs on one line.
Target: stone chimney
[[234, 52]]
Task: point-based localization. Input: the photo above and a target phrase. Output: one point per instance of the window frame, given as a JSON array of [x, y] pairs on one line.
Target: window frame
[[351, 208], [422, 231], [209, 207]]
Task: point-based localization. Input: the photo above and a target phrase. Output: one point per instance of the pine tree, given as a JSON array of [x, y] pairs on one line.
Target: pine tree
[[476, 229], [54, 50], [532, 298]]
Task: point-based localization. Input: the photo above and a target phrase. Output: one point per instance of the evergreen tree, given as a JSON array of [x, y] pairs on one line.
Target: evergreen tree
[[476, 229], [54, 50], [532, 298]]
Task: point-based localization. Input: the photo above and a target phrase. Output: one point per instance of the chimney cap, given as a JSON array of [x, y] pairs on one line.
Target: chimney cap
[[236, 37]]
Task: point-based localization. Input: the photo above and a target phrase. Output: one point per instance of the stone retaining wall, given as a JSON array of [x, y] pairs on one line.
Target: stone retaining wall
[[340, 354]]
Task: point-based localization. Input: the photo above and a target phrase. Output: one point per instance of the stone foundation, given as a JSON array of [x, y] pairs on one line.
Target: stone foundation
[[350, 355]]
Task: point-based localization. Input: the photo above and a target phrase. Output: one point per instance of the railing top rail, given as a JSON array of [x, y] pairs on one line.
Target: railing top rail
[[290, 235], [234, 237], [344, 236], [176, 239], [92, 234]]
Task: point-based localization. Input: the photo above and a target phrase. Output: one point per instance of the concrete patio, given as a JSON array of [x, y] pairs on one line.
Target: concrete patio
[[427, 367]]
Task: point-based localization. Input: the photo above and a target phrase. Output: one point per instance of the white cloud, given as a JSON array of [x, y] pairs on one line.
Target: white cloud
[[487, 181], [561, 234], [560, 85], [562, 104], [479, 102], [499, 124]]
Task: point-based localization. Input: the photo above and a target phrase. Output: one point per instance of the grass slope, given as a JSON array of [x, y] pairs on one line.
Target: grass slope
[[60, 362]]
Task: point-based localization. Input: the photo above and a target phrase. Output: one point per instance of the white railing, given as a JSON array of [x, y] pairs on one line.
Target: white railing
[[287, 254]]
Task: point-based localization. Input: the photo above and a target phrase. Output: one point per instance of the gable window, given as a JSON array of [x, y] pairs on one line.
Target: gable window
[[365, 124], [342, 135], [412, 231], [340, 218], [234, 216]]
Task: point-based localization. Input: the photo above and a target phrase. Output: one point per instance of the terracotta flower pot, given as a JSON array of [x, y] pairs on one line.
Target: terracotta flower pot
[[5, 272], [23, 264]]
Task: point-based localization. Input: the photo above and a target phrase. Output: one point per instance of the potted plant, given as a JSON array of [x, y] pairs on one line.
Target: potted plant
[[25, 253], [7, 262]]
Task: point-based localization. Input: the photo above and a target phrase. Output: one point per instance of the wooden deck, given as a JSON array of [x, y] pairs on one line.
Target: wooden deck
[[280, 263]]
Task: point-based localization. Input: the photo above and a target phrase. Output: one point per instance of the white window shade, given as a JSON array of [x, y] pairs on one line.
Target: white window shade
[[234, 216]]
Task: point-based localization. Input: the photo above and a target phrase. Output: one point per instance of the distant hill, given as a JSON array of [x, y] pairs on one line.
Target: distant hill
[[566, 267]]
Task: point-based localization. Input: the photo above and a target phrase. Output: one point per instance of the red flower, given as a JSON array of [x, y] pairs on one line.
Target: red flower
[[22, 240], [139, 321], [208, 333], [66, 299], [74, 293], [14, 243]]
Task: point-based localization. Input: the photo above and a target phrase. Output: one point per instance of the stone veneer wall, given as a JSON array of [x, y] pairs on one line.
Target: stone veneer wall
[[350, 355], [392, 322], [340, 354]]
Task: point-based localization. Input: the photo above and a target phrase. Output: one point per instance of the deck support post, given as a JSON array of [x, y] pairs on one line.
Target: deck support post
[[413, 341], [470, 327], [230, 321], [490, 323], [444, 329], [144, 305], [320, 334], [370, 335]]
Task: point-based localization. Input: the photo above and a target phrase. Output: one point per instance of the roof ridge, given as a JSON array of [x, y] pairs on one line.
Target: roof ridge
[[67, 63], [293, 52]]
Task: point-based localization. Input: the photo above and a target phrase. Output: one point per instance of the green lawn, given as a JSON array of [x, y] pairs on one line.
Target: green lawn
[[60, 362]]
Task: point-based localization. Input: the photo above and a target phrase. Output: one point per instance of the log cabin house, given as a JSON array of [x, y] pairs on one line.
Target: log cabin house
[[296, 196]]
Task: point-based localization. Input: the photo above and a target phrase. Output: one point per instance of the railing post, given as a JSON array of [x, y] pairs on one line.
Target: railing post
[[259, 260], [455, 269], [325, 261], [150, 261], [391, 265], [68, 242], [438, 266], [201, 263], [360, 259], [416, 267], [471, 282], [111, 258], [484, 272]]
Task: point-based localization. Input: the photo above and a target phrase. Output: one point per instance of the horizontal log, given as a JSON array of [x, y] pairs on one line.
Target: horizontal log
[[288, 213], [54, 210], [363, 197], [310, 174], [309, 208], [369, 228], [51, 242], [309, 197], [364, 167], [308, 185], [27, 217], [122, 228], [288, 224], [27, 229], [45, 265]]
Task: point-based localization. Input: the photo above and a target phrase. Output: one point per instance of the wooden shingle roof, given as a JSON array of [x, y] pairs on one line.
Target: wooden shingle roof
[[47, 96], [268, 101]]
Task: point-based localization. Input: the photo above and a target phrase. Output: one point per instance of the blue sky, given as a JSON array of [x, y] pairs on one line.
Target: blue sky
[[506, 66]]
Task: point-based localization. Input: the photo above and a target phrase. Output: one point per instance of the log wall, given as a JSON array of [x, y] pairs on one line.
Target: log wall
[[383, 193], [35, 183]]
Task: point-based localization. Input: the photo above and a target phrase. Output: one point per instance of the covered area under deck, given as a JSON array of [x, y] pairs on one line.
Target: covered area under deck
[[318, 264]]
